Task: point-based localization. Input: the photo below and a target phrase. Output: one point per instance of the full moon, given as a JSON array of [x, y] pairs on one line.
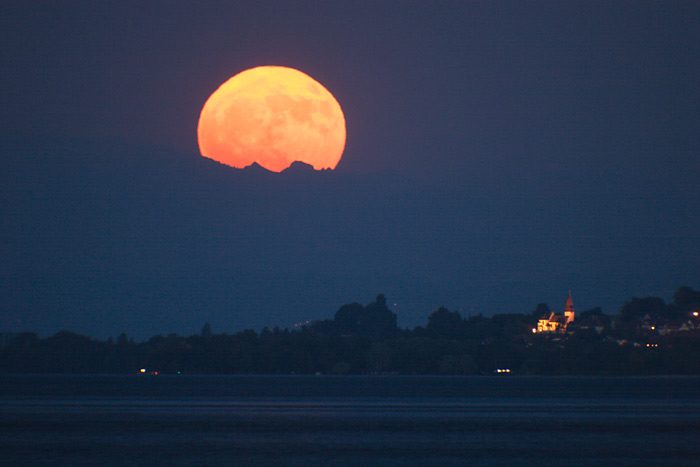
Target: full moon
[[274, 116]]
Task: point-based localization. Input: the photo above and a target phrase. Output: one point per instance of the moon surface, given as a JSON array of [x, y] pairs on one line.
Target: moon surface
[[274, 116]]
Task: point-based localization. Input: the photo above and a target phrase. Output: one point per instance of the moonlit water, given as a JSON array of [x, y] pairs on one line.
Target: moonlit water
[[364, 420]]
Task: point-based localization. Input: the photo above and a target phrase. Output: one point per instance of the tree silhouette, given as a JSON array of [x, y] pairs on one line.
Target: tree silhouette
[[374, 320], [686, 298], [445, 323], [541, 311], [379, 321], [637, 308], [348, 318]]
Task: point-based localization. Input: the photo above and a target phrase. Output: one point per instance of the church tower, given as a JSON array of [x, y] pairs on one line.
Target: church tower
[[569, 309]]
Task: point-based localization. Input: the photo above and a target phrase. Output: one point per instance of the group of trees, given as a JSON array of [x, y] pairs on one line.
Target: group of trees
[[366, 339], [684, 299]]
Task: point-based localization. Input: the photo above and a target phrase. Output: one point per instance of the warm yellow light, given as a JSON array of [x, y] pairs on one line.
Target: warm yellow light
[[274, 116]]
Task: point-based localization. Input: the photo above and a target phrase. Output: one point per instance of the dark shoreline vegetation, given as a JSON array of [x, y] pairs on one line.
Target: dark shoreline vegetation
[[647, 337]]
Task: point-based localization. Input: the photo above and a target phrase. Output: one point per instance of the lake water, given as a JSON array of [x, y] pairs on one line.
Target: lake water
[[348, 420]]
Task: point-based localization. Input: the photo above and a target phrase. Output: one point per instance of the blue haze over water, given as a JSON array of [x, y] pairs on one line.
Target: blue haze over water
[[348, 420]]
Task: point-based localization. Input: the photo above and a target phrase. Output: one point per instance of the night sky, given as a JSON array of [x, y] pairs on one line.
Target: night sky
[[498, 155]]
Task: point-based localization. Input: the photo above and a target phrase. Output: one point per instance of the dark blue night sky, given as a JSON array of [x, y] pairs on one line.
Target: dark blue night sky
[[498, 155]]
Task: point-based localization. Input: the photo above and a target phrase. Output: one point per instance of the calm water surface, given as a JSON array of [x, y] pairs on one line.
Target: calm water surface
[[364, 420]]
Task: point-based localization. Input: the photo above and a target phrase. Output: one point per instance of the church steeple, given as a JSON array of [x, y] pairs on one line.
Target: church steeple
[[569, 309], [555, 323]]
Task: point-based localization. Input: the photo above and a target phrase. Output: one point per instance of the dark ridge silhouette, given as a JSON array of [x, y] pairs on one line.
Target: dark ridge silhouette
[[298, 167], [256, 168]]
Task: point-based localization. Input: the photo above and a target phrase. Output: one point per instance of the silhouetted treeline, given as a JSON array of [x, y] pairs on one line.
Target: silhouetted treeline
[[647, 337]]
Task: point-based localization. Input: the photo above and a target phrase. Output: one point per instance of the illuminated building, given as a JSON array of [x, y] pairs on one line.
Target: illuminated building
[[557, 322]]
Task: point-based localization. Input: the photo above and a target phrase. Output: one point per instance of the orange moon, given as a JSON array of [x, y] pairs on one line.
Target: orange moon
[[274, 116]]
